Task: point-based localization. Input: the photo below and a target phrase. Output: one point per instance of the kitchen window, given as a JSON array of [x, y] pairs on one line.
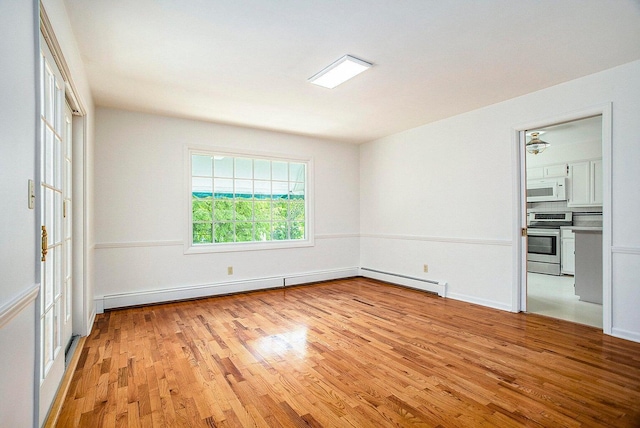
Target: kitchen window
[[244, 202]]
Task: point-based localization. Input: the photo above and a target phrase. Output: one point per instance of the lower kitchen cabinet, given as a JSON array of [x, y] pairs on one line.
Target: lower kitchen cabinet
[[568, 252]]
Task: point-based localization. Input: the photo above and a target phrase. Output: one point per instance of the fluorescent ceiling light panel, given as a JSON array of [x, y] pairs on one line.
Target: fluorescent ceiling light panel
[[339, 72]]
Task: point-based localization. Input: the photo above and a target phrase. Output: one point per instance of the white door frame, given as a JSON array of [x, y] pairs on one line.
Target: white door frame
[[83, 308], [519, 296]]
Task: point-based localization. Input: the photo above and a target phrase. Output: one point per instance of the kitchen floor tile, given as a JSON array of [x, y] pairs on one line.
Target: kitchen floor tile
[[554, 296]]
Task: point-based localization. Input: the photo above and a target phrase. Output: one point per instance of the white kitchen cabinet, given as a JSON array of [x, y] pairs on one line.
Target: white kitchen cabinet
[[585, 184], [568, 253], [555, 171], [535, 173], [579, 184], [549, 171]]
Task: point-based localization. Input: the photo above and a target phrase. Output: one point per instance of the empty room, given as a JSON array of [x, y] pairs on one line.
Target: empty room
[[320, 213]]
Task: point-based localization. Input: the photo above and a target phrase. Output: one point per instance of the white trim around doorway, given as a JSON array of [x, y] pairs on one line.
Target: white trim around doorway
[[518, 301]]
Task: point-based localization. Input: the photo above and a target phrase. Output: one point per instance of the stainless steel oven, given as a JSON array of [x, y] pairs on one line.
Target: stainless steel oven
[[543, 253], [543, 243]]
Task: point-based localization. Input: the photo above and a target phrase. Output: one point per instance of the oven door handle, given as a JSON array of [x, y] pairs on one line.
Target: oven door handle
[[543, 232]]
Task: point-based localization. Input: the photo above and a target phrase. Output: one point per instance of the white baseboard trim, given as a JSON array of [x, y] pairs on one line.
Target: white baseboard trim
[[136, 298], [92, 319], [11, 309], [99, 305], [438, 287], [482, 302], [310, 277], [625, 334]]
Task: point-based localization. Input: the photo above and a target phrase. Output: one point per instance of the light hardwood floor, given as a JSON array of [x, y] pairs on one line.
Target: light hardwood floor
[[348, 353]]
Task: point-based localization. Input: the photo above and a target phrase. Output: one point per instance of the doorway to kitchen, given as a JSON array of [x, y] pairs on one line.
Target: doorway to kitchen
[[565, 272]]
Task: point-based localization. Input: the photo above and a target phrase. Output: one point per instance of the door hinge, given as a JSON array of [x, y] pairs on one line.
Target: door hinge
[[524, 231]]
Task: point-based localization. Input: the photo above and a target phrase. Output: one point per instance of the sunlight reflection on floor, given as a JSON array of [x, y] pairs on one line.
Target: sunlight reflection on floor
[[279, 344]]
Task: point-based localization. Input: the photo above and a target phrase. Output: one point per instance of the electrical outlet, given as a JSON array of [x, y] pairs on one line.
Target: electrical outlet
[[230, 270], [426, 268]]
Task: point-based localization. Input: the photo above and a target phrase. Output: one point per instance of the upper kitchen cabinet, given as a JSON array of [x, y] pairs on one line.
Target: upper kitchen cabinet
[[585, 184], [556, 170], [550, 171]]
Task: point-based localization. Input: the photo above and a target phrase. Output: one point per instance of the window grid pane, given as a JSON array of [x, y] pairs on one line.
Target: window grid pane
[[241, 199]]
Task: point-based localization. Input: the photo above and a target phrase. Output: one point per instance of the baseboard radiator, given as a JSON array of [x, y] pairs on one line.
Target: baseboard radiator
[[139, 298], [428, 285]]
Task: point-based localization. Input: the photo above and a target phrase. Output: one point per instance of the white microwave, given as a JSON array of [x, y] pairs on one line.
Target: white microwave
[[547, 189]]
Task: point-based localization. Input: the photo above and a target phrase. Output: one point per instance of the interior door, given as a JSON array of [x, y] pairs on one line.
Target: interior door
[[55, 215]]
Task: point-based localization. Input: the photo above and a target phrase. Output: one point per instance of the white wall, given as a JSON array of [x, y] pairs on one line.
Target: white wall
[[17, 222], [140, 213], [431, 195], [423, 199]]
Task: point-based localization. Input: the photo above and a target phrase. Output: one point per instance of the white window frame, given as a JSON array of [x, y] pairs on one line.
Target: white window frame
[[190, 248]]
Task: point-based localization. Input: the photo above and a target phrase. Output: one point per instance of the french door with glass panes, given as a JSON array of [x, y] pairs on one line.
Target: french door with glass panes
[[55, 229]]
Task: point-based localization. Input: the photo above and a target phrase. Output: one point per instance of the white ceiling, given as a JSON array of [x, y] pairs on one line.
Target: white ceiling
[[246, 62]]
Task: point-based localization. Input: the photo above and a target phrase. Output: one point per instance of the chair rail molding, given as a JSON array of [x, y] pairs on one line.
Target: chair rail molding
[[11, 309]]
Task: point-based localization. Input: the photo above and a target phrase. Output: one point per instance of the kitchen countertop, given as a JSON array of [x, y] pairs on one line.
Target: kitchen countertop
[[583, 228]]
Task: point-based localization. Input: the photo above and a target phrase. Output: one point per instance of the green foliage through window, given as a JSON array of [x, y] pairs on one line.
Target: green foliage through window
[[239, 199]]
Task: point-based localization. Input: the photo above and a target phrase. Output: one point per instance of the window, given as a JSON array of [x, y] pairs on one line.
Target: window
[[239, 202]]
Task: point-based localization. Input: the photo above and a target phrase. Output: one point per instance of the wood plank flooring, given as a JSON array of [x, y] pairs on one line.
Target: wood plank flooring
[[348, 353]]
